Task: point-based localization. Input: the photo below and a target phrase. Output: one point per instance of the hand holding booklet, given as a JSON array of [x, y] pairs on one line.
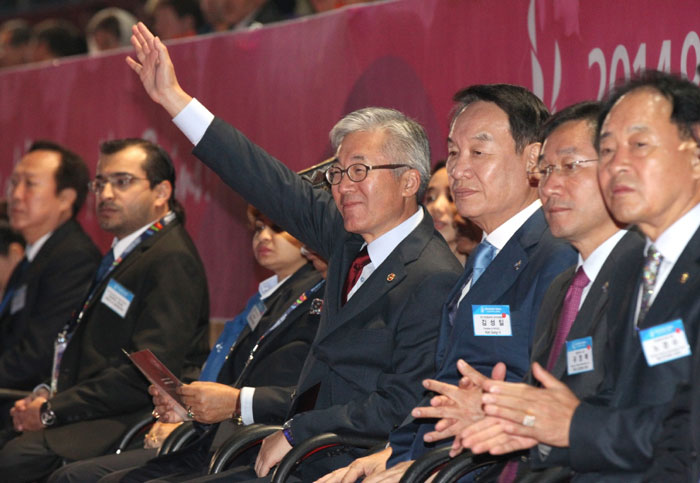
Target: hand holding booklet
[[161, 377]]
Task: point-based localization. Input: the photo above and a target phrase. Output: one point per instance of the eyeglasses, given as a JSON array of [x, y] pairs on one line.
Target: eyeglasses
[[356, 172], [119, 182], [566, 169]]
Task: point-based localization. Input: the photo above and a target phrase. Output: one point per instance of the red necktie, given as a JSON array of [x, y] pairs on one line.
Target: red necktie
[[358, 264]]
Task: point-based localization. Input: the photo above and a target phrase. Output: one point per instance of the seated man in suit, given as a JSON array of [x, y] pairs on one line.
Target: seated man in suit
[[649, 172], [571, 335], [388, 271], [493, 143], [150, 292], [11, 252], [285, 310], [48, 187]]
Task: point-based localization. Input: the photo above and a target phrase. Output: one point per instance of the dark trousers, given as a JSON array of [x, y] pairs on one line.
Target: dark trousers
[[91, 470], [27, 458]]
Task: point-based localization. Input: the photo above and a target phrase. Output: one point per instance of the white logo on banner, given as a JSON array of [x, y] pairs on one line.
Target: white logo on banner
[[537, 76]]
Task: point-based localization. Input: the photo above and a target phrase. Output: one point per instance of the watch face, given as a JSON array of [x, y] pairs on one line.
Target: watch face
[[48, 417]]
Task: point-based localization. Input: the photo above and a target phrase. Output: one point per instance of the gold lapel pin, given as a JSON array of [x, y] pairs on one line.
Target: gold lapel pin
[[517, 265], [684, 277], [605, 287], [390, 277]]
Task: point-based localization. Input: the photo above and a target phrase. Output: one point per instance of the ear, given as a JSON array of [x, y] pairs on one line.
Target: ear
[[66, 198], [163, 190], [410, 183], [532, 154], [695, 147], [15, 251]]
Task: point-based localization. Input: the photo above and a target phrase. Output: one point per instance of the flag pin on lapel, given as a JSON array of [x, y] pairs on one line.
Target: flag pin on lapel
[[390, 277], [517, 264], [684, 277]]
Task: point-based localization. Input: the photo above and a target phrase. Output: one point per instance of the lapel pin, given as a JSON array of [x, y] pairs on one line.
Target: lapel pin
[[684, 277], [517, 265], [605, 287], [316, 307], [390, 277]]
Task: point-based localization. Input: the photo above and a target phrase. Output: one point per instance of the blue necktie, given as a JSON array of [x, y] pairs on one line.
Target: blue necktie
[[106, 262], [483, 256]]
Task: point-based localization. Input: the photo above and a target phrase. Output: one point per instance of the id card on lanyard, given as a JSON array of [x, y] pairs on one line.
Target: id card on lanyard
[[69, 329]]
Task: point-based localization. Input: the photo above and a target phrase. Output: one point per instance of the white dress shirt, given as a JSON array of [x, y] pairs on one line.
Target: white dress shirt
[[501, 235]]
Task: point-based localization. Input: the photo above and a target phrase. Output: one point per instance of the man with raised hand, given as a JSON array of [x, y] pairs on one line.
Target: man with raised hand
[[489, 315], [388, 272]]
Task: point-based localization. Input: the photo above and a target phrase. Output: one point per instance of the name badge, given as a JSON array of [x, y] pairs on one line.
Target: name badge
[[579, 355], [117, 297], [18, 299], [664, 342], [491, 320], [255, 314]]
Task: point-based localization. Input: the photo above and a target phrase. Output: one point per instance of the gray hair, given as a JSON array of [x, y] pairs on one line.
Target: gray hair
[[407, 142]]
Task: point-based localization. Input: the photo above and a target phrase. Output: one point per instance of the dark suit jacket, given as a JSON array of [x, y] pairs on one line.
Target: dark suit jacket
[[518, 276], [100, 393], [56, 282], [370, 354], [616, 440], [676, 451], [281, 354], [617, 275]]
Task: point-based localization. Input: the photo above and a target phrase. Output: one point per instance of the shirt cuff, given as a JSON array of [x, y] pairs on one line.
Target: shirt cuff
[[194, 120], [246, 397]]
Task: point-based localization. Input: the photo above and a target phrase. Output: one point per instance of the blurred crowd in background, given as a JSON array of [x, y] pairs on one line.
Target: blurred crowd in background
[[43, 30]]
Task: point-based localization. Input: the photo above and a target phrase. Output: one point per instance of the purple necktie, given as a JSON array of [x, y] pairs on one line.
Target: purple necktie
[[568, 314]]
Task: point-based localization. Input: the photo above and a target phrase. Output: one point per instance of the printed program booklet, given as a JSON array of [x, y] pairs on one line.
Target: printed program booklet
[[161, 377]]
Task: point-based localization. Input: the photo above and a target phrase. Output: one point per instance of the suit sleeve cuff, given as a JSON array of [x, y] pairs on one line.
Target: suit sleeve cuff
[[193, 121], [246, 397]]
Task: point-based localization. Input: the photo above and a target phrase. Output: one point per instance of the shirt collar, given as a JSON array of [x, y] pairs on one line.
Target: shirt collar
[[500, 236], [31, 251], [382, 247], [118, 246], [268, 286], [595, 260], [673, 241]]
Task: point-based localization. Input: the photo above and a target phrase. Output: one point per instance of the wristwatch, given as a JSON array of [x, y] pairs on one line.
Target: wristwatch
[[287, 432], [46, 414]]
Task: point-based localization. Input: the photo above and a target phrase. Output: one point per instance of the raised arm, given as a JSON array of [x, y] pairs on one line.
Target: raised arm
[[156, 70]]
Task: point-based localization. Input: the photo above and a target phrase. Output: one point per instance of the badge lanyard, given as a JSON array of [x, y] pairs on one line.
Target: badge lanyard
[[302, 298], [69, 329]]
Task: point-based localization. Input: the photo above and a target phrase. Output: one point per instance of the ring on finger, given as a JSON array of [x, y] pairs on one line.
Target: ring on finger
[[190, 414], [155, 413], [529, 420]]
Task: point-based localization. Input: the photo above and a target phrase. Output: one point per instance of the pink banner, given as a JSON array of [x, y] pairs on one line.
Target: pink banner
[[286, 85]]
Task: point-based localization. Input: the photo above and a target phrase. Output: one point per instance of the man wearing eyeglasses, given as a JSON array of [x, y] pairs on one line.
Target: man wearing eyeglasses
[[149, 292], [388, 272], [572, 331], [47, 189]]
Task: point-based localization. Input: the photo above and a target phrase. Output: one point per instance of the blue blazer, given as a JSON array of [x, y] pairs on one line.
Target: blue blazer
[[518, 277]]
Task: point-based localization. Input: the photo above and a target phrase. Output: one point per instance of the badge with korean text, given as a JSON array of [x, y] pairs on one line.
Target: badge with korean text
[[117, 297], [491, 320], [664, 342], [579, 355]]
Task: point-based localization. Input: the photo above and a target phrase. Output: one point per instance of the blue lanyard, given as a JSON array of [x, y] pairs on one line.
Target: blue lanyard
[[69, 328], [302, 298]]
